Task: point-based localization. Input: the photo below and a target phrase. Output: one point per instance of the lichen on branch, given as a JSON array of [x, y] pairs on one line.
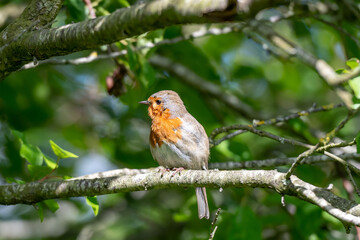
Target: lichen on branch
[[140, 180]]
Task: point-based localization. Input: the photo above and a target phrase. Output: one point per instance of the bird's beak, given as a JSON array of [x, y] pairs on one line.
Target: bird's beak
[[145, 102]]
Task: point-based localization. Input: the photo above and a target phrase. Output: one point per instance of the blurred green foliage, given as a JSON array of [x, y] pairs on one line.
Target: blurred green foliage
[[70, 105]]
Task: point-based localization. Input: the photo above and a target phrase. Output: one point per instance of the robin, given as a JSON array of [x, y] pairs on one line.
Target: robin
[[177, 140]]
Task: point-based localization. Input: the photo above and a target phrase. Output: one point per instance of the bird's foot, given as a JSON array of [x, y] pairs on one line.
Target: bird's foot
[[163, 170], [176, 170]]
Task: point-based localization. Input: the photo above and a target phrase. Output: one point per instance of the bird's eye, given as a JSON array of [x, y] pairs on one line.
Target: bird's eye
[[158, 102]]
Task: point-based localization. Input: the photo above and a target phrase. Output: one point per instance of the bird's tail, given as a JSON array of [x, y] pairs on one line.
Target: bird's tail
[[203, 207]]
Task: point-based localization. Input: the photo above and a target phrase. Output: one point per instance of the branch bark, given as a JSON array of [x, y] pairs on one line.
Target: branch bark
[[91, 58], [40, 12], [345, 210], [123, 23]]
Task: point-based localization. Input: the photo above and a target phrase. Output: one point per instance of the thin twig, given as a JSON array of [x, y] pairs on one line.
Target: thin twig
[[299, 158], [336, 145], [347, 167], [213, 224], [266, 134], [226, 137], [334, 132], [352, 6], [329, 136], [338, 28], [53, 170], [272, 121], [325, 71], [275, 162], [268, 48], [262, 133]]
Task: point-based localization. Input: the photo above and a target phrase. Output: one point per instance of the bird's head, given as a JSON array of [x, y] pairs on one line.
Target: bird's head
[[166, 104]]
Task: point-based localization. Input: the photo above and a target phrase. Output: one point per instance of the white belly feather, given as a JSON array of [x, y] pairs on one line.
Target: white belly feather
[[169, 156]]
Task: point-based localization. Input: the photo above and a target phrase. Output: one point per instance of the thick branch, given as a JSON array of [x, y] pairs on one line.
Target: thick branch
[[83, 60], [29, 193], [272, 162], [89, 34], [40, 12], [123, 23]]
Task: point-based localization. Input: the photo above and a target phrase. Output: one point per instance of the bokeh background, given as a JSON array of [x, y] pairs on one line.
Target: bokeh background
[[70, 105]]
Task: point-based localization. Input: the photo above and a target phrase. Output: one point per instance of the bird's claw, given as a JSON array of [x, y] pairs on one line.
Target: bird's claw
[[163, 170], [176, 170]]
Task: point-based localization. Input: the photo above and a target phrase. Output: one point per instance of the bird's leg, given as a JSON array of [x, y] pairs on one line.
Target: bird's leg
[[176, 170]]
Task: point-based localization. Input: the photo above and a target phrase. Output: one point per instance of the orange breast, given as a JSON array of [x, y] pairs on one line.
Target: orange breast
[[165, 129]]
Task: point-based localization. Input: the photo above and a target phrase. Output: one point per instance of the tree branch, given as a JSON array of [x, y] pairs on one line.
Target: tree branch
[[303, 155], [30, 193], [272, 162], [275, 162], [40, 11], [189, 77], [83, 60], [271, 121], [123, 23]]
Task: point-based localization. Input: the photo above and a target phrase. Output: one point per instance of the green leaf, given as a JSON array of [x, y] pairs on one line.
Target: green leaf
[[329, 218], [240, 151], [172, 32], [52, 205], [61, 153], [355, 86], [50, 162], [147, 75], [304, 227], [192, 57], [124, 3], [155, 36], [251, 225], [13, 180], [357, 139], [76, 10], [38, 172], [40, 211], [18, 135], [341, 71], [31, 153], [301, 127], [182, 217], [134, 95], [132, 58], [352, 63], [93, 203]]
